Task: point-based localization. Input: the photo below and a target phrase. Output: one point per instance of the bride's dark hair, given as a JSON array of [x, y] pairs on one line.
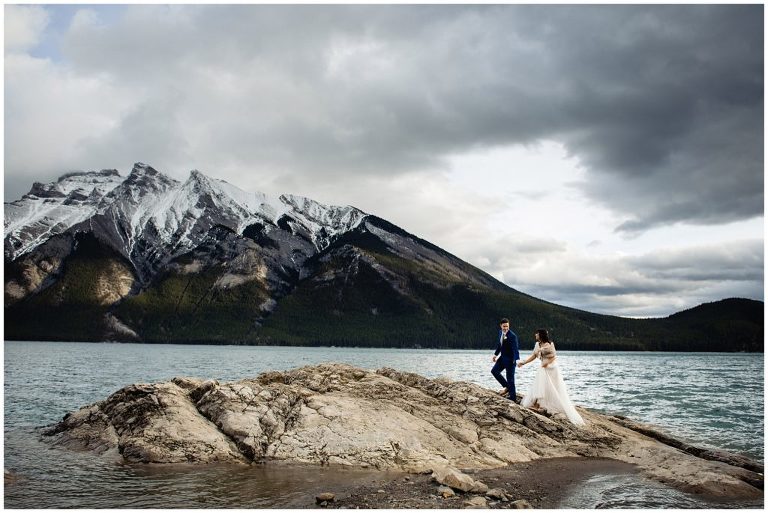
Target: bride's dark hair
[[543, 335]]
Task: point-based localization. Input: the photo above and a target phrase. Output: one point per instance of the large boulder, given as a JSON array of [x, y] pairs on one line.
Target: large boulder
[[457, 480], [148, 423], [339, 414]]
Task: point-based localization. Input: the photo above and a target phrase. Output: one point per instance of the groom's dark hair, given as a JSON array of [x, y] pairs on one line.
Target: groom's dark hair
[[503, 320]]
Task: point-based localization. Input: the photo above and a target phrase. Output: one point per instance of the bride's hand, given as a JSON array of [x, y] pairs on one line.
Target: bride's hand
[[520, 365]]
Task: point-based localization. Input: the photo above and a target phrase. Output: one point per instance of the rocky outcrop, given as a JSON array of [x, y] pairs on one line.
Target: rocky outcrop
[[148, 423], [35, 272], [339, 414], [114, 282]]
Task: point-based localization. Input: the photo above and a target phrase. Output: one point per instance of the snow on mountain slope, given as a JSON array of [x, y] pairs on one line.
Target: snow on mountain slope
[[51, 209], [323, 222], [150, 218], [140, 197]]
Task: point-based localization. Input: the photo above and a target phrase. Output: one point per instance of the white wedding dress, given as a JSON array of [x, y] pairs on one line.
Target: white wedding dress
[[548, 389]]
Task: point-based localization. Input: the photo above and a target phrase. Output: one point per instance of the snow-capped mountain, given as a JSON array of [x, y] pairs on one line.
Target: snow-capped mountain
[[151, 219], [97, 256], [146, 257]]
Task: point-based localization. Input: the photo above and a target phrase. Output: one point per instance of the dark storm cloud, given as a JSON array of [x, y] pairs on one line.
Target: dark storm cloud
[[661, 104]]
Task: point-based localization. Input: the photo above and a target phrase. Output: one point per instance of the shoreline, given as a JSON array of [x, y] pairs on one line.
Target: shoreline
[[341, 346], [542, 483], [547, 483]]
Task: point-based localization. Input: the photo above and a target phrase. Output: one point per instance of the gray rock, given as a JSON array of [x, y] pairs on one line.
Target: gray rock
[[325, 497], [446, 491], [521, 504], [457, 480], [479, 487], [476, 503], [151, 424], [496, 493]]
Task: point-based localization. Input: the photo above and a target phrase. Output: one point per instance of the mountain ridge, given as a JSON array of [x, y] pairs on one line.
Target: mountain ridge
[[148, 258]]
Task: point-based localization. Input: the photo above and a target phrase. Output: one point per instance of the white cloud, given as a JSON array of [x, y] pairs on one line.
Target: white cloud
[[651, 283], [24, 25], [84, 19], [51, 112]]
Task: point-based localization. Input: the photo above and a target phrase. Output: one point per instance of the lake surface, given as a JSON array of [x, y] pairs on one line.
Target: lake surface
[[711, 400]]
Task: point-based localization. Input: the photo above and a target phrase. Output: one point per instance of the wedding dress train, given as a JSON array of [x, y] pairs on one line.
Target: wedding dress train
[[548, 390]]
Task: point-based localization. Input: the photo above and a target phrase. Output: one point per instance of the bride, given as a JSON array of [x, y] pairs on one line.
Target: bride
[[548, 391]]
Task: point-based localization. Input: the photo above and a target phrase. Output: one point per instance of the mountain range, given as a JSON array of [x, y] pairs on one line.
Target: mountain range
[[96, 256]]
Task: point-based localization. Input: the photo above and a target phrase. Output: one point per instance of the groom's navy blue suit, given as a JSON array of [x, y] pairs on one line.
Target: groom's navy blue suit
[[509, 348]]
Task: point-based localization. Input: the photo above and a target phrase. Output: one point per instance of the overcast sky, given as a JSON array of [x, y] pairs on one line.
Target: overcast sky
[[608, 158]]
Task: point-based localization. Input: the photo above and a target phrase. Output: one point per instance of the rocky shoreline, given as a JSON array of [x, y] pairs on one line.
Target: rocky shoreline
[[335, 414], [539, 484]]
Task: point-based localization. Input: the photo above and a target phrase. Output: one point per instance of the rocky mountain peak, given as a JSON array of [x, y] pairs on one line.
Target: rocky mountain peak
[[197, 175], [44, 190], [199, 183], [142, 168], [81, 182], [149, 213], [148, 178], [104, 173]]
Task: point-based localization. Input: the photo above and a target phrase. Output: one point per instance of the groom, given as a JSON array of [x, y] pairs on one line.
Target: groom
[[508, 346]]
